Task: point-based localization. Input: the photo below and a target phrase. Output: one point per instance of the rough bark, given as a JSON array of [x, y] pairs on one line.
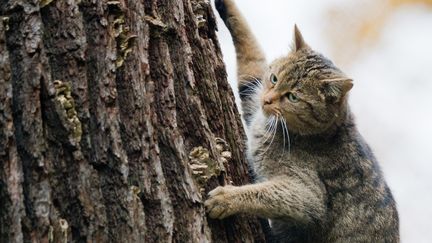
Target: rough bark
[[104, 108]]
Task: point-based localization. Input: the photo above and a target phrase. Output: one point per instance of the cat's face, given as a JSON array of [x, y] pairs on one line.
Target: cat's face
[[306, 89]]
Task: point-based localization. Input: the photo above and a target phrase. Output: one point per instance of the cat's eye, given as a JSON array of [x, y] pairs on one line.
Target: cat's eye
[[292, 98], [273, 79]]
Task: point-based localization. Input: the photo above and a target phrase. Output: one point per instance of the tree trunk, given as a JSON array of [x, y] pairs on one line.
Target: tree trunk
[[106, 107]]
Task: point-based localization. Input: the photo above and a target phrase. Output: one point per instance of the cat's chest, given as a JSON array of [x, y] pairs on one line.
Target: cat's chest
[[277, 157], [273, 154]]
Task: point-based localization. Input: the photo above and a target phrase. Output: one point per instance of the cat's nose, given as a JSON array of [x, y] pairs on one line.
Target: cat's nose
[[268, 101]]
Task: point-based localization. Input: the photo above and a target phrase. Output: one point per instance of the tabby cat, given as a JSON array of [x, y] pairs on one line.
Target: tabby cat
[[317, 179]]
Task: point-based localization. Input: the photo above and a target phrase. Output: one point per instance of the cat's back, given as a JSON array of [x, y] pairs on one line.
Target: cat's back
[[360, 204]]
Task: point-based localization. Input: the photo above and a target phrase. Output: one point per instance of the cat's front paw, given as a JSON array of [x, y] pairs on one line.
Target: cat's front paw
[[221, 8], [222, 202]]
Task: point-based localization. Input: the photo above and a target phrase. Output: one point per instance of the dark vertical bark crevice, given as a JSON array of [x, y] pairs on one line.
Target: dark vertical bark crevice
[[6, 138], [5, 210], [108, 155], [26, 62]]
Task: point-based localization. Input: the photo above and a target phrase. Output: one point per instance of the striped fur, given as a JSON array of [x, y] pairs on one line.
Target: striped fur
[[317, 179]]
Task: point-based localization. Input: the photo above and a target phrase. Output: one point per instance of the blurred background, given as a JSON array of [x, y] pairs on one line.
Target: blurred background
[[386, 47]]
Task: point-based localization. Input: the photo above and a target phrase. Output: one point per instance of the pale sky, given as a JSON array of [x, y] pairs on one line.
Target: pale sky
[[392, 95]]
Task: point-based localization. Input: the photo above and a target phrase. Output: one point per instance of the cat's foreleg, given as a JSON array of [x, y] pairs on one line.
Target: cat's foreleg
[[251, 62], [274, 199]]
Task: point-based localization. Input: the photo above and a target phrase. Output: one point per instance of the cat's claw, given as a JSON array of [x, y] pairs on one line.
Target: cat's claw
[[221, 8], [220, 203]]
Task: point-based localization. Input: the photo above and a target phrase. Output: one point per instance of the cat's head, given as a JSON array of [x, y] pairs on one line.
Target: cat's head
[[306, 89]]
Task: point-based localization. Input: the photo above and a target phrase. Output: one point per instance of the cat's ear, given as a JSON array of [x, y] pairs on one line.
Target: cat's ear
[[299, 42], [334, 90]]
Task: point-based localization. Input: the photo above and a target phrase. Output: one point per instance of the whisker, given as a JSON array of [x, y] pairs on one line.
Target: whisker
[[248, 92], [267, 133], [287, 131], [269, 120], [252, 87], [267, 126], [283, 133], [255, 80], [254, 83], [273, 136]]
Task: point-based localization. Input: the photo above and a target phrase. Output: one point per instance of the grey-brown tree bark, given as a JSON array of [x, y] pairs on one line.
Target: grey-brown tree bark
[[105, 106]]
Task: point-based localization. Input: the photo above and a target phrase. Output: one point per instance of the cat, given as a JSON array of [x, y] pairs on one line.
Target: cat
[[317, 179]]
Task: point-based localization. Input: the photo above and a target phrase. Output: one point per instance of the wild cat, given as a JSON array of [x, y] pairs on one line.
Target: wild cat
[[318, 180]]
